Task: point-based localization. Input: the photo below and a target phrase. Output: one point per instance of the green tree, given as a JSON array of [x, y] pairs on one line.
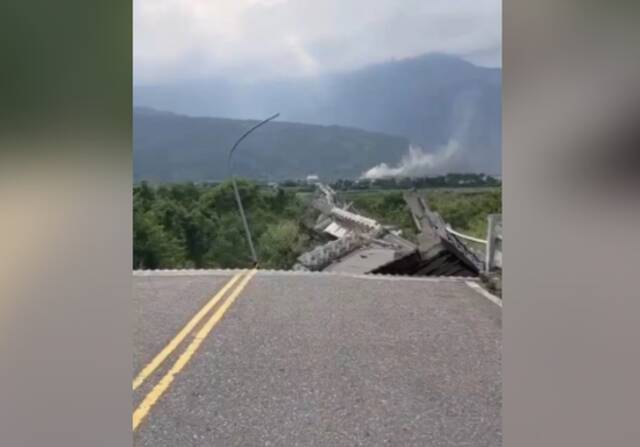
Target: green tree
[[281, 244], [153, 247]]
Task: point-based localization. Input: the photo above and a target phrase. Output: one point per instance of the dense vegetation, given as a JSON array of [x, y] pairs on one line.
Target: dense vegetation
[[464, 210], [194, 226]]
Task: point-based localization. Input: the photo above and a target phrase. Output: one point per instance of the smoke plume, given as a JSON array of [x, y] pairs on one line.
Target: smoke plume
[[455, 156], [417, 162]]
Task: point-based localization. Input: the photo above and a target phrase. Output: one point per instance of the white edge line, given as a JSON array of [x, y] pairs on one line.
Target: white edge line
[[478, 288]]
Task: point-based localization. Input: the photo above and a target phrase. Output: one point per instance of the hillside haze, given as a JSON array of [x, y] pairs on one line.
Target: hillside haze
[[168, 147], [441, 104]]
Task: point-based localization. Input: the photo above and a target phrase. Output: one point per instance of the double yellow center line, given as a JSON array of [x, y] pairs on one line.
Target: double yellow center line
[[150, 399]]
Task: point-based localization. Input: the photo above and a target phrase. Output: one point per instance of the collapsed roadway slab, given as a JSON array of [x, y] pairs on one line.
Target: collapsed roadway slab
[[362, 245]]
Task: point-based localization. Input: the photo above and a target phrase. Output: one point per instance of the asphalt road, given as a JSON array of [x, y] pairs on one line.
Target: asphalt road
[[316, 359]]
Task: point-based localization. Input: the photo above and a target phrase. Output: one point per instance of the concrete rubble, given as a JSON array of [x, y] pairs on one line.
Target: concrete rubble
[[363, 245]]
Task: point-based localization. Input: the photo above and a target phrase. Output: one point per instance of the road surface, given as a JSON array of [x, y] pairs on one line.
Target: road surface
[[315, 359]]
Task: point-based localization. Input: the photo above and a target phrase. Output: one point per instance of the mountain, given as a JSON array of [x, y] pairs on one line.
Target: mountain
[[433, 100], [169, 147]]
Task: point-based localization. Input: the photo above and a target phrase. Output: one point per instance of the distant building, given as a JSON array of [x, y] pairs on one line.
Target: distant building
[[312, 178]]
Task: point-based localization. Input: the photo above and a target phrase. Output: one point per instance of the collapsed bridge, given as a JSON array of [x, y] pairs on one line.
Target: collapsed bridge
[[362, 245]]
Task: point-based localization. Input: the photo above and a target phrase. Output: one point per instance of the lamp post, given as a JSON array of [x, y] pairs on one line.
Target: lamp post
[[254, 257]]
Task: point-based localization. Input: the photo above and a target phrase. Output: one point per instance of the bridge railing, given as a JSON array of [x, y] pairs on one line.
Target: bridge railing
[[465, 236], [494, 243], [492, 246]]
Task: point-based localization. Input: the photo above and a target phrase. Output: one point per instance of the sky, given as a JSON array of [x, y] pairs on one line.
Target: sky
[[178, 40]]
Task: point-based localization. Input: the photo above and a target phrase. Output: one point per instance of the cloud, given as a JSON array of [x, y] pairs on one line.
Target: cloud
[[187, 39]]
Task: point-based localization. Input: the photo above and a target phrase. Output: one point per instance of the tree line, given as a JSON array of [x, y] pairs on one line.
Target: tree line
[[452, 180]]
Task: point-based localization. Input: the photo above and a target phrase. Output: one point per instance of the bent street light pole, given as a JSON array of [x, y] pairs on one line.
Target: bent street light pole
[[254, 257]]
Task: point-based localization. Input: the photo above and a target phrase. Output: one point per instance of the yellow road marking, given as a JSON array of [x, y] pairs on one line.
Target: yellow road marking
[[186, 330], [162, 386]]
